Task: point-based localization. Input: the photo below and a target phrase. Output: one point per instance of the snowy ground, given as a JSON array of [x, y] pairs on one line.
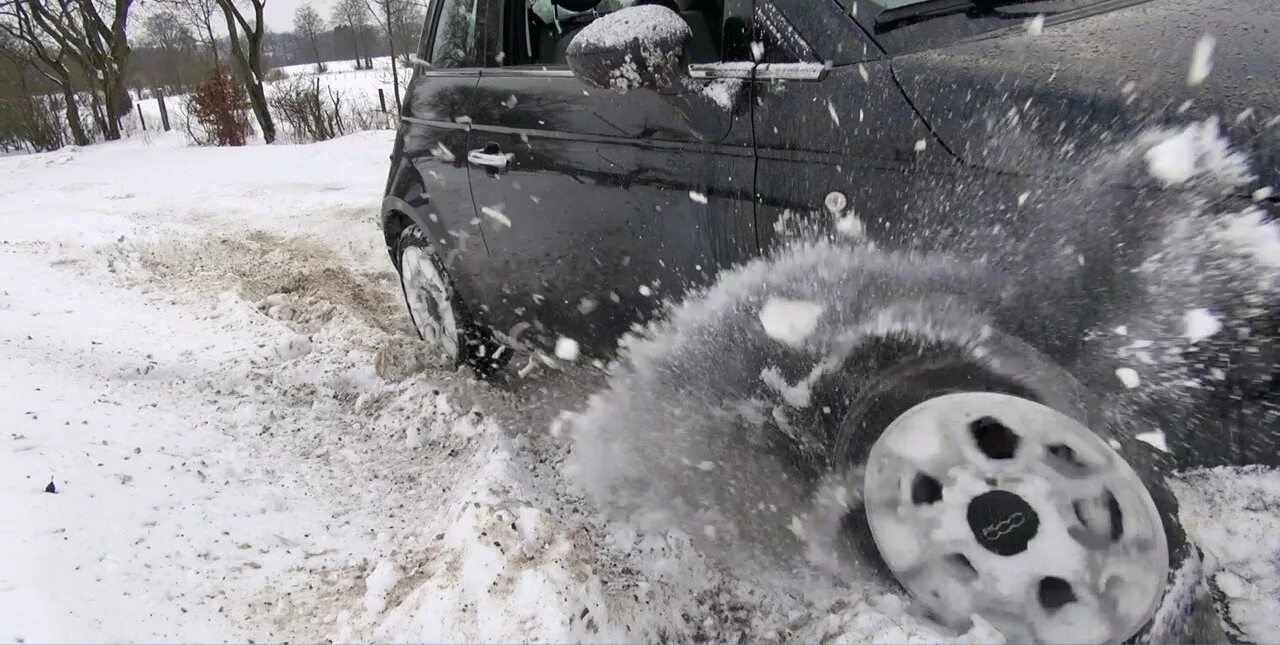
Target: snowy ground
[[205, 350]]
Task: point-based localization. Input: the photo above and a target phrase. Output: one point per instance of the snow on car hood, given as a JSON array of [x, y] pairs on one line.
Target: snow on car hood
[[1024, 100]]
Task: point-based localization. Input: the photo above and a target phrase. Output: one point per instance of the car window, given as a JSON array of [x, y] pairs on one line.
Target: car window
[[456, 42], [538, 32]]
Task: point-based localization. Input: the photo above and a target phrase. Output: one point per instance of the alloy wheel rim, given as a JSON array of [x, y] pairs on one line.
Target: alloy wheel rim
[[429, 299], [994, 505]]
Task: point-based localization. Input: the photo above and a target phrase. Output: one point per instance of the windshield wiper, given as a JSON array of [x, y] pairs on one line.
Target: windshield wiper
[[933, 8]]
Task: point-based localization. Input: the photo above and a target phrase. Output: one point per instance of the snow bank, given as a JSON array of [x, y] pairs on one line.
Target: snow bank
[[1234, 514]]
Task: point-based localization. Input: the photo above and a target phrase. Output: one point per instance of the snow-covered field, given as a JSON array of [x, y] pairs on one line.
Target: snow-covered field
[[357, 90], [205, 351]]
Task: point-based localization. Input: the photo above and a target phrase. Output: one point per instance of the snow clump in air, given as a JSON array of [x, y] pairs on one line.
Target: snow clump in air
[[1196, 150], [1201, 60], [1129, 377], [566, 349], [1201, 324], [790, 321]]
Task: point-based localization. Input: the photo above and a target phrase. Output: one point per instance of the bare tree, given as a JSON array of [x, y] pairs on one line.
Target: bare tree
[[101, 47], [166, 30], [391, 17], [308, 24], [246, 49], [355, 15], [28, 44], [199, 14]]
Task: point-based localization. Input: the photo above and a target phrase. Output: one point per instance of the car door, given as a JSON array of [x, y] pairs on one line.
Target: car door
[[597, 205], [431, 184], [834, 135]]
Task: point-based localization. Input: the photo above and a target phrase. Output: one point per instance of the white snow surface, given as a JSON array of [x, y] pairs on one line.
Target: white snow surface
[[206, 351], [1234, 513]]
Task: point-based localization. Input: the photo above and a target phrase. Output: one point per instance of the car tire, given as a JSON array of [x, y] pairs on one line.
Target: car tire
[[896, 375], [774, 386], [438, 313]]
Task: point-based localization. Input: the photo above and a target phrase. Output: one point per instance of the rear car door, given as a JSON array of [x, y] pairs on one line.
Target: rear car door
[[596, 205], [431, 184]]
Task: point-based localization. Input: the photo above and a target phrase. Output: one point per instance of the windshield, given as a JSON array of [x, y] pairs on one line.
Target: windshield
[[963, 22]]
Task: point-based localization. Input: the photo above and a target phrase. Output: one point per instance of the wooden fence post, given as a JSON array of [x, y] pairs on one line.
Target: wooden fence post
[[164, 112], [141, 118]]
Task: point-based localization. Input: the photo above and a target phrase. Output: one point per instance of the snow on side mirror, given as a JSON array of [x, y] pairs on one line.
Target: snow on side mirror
[[631, 48]]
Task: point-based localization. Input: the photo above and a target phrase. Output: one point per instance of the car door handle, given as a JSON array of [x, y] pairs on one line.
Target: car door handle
[[489, 157]]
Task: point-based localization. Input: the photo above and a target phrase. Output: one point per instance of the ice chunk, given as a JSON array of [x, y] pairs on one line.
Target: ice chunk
[[566, 349], [1201, 60], [1173, 161], [1155, 439], [496, 215], [1129, 377], [1201, 324], [789, 321]]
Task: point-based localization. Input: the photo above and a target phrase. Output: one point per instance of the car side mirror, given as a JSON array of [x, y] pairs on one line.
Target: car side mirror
[[631, 48]]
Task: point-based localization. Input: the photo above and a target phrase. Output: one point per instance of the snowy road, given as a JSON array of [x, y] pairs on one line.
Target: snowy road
[[205, 350]]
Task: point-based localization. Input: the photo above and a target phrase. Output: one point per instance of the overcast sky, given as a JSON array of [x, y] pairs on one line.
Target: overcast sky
[[279, 13]]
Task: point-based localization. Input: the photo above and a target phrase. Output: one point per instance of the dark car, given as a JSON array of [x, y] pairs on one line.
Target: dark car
[[1048, 180]]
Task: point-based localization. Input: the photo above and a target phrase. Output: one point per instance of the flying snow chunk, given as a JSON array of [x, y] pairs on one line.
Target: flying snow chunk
[[1155, 439], [1201, 60], [1201, 324], [697, 197], [1129, 377], [920, 145], [789, 321], [496, 215], [1173, 161], [1036, 26], [566, 349]]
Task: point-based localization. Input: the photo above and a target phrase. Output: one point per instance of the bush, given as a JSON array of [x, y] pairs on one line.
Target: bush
[[33, 121], [315, 115], [218, 111]]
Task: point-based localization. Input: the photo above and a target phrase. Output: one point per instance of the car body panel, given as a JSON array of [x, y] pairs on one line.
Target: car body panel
[[609, 203], [1084, 84]]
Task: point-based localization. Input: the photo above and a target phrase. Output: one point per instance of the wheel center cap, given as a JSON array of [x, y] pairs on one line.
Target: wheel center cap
[[1002, 522]]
